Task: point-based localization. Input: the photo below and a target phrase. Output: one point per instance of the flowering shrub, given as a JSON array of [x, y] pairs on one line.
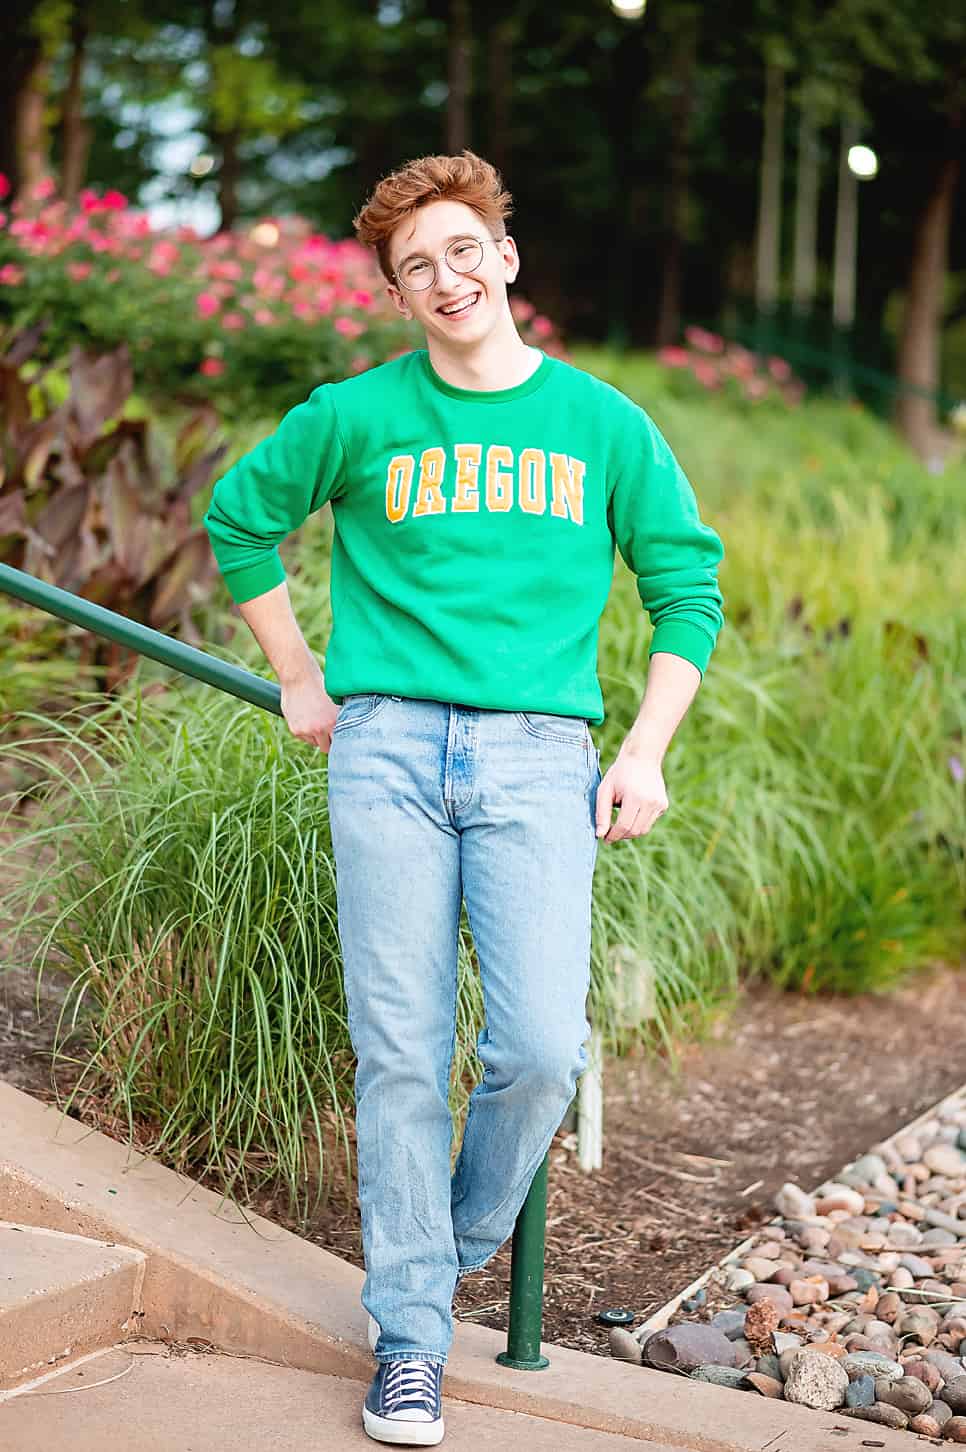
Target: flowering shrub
[[250, 319], [707, 361]]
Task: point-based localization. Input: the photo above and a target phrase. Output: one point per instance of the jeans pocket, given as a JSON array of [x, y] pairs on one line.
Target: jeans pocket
[[357, 709], [570, 730]]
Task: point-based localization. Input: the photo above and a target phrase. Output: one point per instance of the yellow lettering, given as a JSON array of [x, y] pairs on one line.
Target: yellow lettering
[[466, 499], [429, 497], [567, 483], [398, 483], [533, 481], [499, 482]]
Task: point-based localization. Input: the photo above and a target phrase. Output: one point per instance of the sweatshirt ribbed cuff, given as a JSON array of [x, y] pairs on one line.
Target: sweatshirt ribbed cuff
[[680, 637], [253, 580]]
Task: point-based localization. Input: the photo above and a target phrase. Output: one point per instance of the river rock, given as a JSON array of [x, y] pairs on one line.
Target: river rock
[[882, 1413], [941, 1411], [936, 1236], [860, 1392], [888, 1307], [738, 1280], [791, 1202], [908, 1394], [835, 1196], [778, 1294], [955, 1429], [816, 1381], [954, 1394], [808, 1292], [868, 1168], [769, 1365], [767, 1386], [926, 1373], [947, 1365], [921, 1324], [729, 1376], [901, 1278], [908, 1148], [732, 1322], [916, 1266], [624, 1346], [945, 1159], [925, 1425], [903, 1236], [763, 1270], [691, 1344], [871, 1363]]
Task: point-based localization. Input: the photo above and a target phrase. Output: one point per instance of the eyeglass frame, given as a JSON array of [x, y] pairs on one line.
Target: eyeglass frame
[[434, 261]]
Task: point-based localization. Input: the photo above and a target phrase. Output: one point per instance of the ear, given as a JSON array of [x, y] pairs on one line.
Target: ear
[[511, 258], [399, 301]]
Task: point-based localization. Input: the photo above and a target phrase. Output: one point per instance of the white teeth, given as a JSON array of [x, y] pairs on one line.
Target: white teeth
[[459, 308]]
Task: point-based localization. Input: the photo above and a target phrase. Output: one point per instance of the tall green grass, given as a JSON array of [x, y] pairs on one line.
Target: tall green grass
[[816, 833]]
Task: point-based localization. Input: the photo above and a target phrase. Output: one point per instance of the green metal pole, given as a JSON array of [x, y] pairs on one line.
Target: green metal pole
[[526, 1264], [526, 1280], [133, 635]]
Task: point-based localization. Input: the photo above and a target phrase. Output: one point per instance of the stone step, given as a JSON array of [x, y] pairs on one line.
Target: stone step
[[146, 1396], [61, 1296]]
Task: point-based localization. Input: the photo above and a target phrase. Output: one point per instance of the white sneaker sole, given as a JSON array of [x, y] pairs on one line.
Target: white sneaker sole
[[407, 1434]]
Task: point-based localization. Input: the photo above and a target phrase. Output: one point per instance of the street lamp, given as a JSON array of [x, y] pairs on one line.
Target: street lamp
[[862, 162], [628, 9]]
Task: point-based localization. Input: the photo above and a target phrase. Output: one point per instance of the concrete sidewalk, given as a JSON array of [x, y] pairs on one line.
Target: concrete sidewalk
[[204, 1403], [251, 1288]]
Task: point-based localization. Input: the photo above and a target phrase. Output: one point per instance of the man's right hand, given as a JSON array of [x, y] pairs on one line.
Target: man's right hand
[[310, 712]]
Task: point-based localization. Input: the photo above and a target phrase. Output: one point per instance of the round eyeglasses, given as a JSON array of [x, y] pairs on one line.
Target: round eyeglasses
[[464, 255]]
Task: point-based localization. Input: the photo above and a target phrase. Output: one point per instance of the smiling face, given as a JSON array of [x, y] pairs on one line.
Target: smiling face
[[460, 310]]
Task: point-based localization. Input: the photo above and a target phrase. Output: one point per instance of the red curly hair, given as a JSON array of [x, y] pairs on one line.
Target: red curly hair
[[464, 178]]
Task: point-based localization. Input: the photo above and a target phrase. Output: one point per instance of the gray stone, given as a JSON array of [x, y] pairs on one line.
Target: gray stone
[[954, 1394], [785, 1341], [730, 1376], [916, 1266], [945, 1159], [744, 1355], [778, 1294], [936, 1236], [624, 1346], [684, 1347], [860, 1392], [731, 1322], [815, 1380], [871, 1363], [908, 1394], [940, 1410], [793, 1202], [867, 1169], [768, 1365], [948, 1365], [736, 1279], [882, 1414], [865, 1279]]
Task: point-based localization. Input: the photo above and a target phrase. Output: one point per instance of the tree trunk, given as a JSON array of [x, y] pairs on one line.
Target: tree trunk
[[683, 66], [77, 133], [770, 190], [805, 267], [32, 141], [500, 77], [227, 142], [457, 106], [846, 232], [918, 363]]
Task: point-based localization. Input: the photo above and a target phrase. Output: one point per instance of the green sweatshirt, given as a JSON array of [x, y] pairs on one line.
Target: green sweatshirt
[[474, 533]]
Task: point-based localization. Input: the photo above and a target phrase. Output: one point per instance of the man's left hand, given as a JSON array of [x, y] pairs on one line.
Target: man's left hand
[[635, 784]]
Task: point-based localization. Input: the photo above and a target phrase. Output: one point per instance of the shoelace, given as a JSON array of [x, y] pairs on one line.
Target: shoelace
[[410, 1381]]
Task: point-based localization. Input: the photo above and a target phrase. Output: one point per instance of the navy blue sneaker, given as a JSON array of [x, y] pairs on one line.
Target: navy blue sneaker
[[404, 1403]]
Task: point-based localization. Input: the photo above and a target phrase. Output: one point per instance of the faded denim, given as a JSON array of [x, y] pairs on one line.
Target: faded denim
[[431, 804]]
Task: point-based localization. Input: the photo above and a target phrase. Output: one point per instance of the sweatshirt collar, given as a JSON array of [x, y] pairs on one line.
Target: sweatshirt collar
[[487, 395]]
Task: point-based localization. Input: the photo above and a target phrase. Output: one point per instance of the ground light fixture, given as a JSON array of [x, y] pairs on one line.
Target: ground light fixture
[[862, 162]]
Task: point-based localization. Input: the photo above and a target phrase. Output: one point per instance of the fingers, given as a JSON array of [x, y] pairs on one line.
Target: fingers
[[634, 819]]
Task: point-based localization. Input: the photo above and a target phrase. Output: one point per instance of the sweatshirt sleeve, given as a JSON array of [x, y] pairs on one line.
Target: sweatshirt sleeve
[[654, 518], [271, 491]]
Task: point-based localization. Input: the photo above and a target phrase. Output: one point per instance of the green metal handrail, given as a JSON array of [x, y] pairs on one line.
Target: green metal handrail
[[527, 1258]]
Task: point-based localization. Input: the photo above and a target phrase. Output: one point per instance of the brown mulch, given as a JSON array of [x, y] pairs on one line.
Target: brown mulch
[[788, 1088]]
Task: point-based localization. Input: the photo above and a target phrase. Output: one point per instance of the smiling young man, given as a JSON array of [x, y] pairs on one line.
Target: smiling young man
[[478, 489]]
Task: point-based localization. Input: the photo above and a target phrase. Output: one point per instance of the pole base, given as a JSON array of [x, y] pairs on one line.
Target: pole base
[[517, 1365]]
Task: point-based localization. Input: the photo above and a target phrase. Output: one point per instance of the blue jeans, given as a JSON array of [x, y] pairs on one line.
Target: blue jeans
[[431, 804]]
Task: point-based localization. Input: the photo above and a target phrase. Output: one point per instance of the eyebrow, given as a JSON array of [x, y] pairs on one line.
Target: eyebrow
[[454, 238]]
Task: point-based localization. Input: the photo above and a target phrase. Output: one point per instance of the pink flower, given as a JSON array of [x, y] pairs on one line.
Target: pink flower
[[674, 357], [114, 201], [542, 327], [90, 201], [77, 271], [207, 304], [3, 219], [113, 275], [43, 189], [705, 372], [779, 370], [359, 363], [362, 298], [756, 388], [212, 367], [348, 327], [704, 341], [4, 185], [264, 317], [521, 310], [10, 275], [233, 321]]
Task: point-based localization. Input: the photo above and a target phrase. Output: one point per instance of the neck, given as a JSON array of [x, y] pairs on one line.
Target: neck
[[501, 360]]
